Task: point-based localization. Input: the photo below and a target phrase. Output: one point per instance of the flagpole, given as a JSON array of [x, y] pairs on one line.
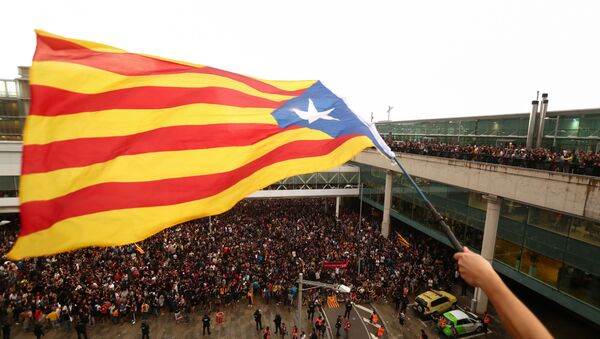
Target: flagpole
[[453, 240]]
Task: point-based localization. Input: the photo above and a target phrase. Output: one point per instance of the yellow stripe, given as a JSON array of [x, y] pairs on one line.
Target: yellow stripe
[[155, 166], [121, 227], [98, 47], [289, 85], [117, 122], [90, 80]]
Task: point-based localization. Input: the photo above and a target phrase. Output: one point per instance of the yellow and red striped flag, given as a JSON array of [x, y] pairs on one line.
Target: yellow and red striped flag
[[139, 249], [119, 146], [403, 241]]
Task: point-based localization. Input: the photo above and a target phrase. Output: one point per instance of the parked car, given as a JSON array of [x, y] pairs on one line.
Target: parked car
[[433, 302], [457, 323]]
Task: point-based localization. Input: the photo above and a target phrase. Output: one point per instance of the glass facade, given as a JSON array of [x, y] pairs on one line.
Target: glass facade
[[577, 129], [11, 128], [319, 180], [558, 250], [14, 105], [8, 89], [9, 186]]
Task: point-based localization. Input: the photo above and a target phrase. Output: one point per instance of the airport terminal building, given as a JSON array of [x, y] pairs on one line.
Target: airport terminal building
[[541, 229], [577, 129]]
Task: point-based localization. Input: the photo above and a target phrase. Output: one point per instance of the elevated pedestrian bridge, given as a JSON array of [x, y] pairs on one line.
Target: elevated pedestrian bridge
[[342, 181], [567, 193], [539, 228]]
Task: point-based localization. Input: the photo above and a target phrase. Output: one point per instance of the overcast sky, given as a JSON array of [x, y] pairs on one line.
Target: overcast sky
[[427, 59]]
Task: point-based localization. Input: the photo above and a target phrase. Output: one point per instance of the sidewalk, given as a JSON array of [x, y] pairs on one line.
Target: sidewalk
[[239, 324]]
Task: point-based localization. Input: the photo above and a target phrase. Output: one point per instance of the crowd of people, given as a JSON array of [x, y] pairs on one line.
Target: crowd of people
[[256, 249], [567, 161]]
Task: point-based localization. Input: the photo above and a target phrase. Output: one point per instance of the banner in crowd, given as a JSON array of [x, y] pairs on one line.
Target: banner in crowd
[[335, 264], [119, 146]]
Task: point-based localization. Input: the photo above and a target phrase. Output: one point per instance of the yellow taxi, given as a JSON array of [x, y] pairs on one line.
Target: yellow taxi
[[433, 302]]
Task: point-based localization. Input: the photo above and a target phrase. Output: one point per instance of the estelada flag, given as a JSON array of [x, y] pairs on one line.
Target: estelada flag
[[119, 146], [403, 241]]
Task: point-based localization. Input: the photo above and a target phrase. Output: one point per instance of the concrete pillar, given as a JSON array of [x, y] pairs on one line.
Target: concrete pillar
[[338, 201], [387, 204], [488, 244]]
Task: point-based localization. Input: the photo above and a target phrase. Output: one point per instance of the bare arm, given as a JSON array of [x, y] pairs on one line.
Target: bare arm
[[517, 318]]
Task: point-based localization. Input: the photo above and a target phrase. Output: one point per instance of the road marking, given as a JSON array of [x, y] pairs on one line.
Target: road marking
[[422, 322], [329, 328], [370, 323], [476, 335], [365, 326], [383, 322], [366, 309]]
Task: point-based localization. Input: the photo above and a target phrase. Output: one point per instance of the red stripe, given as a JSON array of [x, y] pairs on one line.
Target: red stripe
[[50, 101], [40, 215], [53, 49], [256, 84], [76, 152]]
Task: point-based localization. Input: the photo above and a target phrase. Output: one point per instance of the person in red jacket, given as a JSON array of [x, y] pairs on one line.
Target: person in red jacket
[[486, 321], [266, 333], [346, 326]]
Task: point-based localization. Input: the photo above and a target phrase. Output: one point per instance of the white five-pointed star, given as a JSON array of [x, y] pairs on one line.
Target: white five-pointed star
[[312, 115]]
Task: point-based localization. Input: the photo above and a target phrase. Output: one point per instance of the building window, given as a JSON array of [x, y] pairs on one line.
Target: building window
[[550, 220], [8, 89], [580, 284], [8, 186], [11, 128], [585, 230], [508, 253], [540, 267], [514, 211], [476, 200], [9, 108]]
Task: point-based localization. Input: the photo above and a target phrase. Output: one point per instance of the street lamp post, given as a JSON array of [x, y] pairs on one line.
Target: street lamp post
[[555, 131], [299, 315], [360, 207], [360, 218]]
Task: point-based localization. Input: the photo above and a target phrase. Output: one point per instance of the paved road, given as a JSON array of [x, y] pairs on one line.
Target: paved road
[[361, 328], [239, 324]]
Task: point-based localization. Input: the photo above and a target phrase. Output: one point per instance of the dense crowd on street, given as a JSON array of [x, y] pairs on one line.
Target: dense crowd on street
[[567, 161], [255, 250]]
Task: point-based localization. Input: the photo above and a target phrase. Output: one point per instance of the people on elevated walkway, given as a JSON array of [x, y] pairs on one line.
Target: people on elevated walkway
[[583, 162]]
